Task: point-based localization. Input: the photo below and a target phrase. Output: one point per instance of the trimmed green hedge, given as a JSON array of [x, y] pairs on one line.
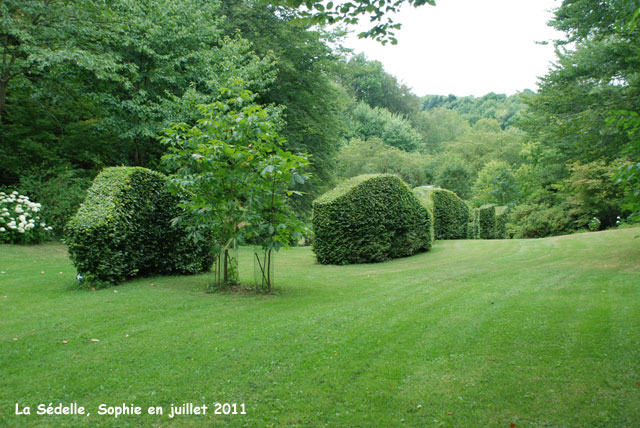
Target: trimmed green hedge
[[502, 216], [123, 229], [487, 222], [369, 218], [450, 213], [473, 227]]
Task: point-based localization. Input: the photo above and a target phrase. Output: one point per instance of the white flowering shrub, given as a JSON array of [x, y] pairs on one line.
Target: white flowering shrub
[[19, 220]]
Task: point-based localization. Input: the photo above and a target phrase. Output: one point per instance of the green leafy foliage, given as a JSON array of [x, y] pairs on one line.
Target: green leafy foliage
[[391, 128], [374, 157], [627, 173], [539, 220], [496, 184], [368, 82], [369, 218], [487, 142], [60, 191], [91, 84], [590, 191], [304, 64], [123, 229], [349, 12], [500, 107], [234, 175], [594, 77], [438, 126], [487, 222], [450, 213], [452, 173]]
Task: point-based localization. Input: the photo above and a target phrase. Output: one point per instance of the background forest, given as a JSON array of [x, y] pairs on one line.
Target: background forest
[[84, 86]]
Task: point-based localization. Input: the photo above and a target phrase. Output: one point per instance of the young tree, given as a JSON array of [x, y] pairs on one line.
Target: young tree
[[234, 178], [496, 184], [453, 174], [278, 225]]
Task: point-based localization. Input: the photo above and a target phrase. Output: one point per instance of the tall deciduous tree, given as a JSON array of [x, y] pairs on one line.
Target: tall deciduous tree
[[496, 184], [304, 68], [367, 81], [38, 36], [573, 116], [122, 69]]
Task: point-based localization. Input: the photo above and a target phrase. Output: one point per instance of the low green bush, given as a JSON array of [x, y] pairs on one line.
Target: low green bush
[[123, 229], [450, 213], [60, 191], [487, 222], [540, 220], [370, 218]]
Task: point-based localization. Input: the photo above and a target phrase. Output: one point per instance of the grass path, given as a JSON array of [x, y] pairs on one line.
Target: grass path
[[538, 333]]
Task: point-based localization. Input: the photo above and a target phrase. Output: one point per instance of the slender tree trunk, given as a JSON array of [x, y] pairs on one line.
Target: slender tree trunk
[[226, 265], [269, 271]]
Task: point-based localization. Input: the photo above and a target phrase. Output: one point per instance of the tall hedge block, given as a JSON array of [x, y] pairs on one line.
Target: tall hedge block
[[502, 216], [450, 213], [123, 229], [487, 222], [473, 229], [370, 218]]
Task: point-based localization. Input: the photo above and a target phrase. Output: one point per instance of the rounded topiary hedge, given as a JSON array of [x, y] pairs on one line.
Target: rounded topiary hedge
[[369, 218], [123, 229], [450, 213]]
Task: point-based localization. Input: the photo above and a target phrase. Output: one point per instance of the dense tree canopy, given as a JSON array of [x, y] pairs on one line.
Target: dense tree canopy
[[87, 85], [368, 82]]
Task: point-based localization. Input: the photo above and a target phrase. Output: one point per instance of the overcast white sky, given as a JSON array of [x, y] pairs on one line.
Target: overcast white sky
[[468, 47]]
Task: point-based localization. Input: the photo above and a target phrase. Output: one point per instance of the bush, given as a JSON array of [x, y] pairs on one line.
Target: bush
[[487, 222], [19, 220], [60, 191], [123, 229], [539, 220], [502, 216], [450, 213], [369, 218]]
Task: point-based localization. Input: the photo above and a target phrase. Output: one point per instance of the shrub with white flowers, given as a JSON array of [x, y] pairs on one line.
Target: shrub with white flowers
[[594, 224], [19, 220]]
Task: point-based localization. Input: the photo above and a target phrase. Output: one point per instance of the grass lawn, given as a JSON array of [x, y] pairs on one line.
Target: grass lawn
[[536, 333]]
